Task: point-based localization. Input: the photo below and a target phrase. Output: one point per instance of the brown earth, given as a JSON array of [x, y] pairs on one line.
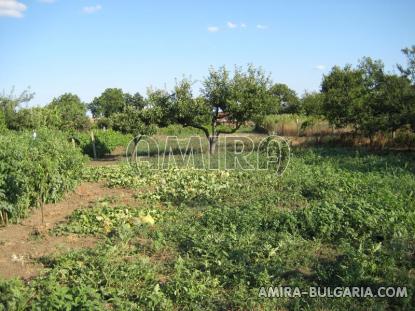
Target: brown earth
[[22, 244]]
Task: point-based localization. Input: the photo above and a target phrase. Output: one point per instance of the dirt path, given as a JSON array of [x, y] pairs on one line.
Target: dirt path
[[21, 244]]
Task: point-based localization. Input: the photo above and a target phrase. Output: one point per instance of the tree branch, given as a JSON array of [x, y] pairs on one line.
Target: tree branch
[[200, 127]]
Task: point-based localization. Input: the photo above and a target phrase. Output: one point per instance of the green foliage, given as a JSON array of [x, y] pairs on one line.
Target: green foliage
[[104, 219], [114, 100], [251, 96], [14, 295], [240, 98], [135, 101], [409, 71], [34, 170], [312, 104], [33, 119], [71, 112], [178, 130], [10, 103], [344, 94], [367, 98], [288, 101], [191, 186], [109, 102], [3, 125], [133, 121], [65, 113], [105, 141], [337, 217]]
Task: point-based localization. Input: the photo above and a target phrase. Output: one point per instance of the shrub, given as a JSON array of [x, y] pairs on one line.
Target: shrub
[[47, 166], [105, 141]]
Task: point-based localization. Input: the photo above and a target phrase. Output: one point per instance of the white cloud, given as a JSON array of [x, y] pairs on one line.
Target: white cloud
[[243, 25], [320, 67], [231, 25], [261, 27], [12, 8], [213, 29], [92, 9]]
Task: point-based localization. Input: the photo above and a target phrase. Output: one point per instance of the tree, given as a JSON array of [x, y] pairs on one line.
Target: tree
[[162, 105], [288, 101], [35, 118], [367, 98], [409, 71], [239, 98], [72, 112], [133, 121], [311, 104], [344, 96], [390, 106], [10, 103], [137, 101], [109, 102]]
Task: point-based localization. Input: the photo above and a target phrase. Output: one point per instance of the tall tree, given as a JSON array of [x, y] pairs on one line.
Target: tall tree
[[311, 104], [288, 101], [409, 71], [72, 112], [344, 96], [367, 98], [109, 102], [137, 101], [133, 121]]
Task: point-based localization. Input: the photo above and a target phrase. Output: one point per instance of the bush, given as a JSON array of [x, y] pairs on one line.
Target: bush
[[35, 169], [105, 141]]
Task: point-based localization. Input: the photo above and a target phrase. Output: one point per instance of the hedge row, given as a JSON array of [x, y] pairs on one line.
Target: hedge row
[[34, 170]]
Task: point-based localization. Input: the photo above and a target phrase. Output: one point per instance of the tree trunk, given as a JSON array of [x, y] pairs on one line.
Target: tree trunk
[[136, 140], [213, 139]]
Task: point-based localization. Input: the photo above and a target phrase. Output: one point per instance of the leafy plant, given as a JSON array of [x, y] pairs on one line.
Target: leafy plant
[[34, 171]]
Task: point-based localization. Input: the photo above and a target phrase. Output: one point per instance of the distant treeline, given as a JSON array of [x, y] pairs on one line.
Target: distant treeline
[[364, 98]]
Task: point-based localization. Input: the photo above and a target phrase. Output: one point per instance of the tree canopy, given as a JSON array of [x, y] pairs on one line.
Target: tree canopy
[[288, 101], [238, 97], [367, 98], [71, 112]]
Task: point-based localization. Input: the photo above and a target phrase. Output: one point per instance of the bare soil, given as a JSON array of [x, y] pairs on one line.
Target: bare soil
[[22, 244]]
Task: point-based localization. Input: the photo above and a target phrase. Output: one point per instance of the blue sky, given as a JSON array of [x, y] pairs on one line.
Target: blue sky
[[85, 46]]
